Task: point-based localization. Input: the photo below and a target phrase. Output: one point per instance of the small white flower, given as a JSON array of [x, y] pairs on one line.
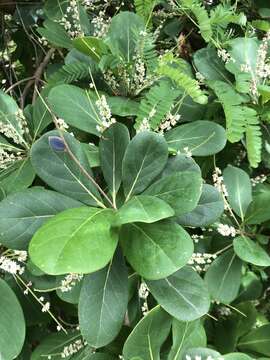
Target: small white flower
[[46, 307]]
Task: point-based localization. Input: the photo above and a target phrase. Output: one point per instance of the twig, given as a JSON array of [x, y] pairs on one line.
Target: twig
[[18, 83], [36, 77]]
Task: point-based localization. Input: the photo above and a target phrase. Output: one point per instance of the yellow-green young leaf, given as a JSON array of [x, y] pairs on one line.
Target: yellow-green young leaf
[[75, 241], [145, 158], [147, 337], [257, 340], [224, 277], [181, 190], [156, 250], [239, 189], [112, 149], [103, 303], [184, 294], [251, 252], [144, 208], [201, 138], [12, 324], [186, 334]]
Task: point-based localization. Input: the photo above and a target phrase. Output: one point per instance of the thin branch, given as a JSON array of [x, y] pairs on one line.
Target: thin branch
[[36, 77]]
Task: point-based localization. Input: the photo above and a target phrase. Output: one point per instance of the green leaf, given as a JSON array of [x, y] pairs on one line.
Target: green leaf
[[224, 277], [123, 34], [210, 65], [91, 46], [9, 113], [17, 177], [250, 251], [148, 336], [181, 191], [122, 106], [186, 335], [209, 209], [55, 34], [180, 162], [22, 213], [68, 243], [112, 149], [183, 294], [144, 208], [201, 138], [145, 158], [239, 189], [156, 250], [12, 324], [103, 303], [258, 211], [76, 107], [244, 51], [236, 356], [59, 171], [257, 340], [41, 115], [54, 344]]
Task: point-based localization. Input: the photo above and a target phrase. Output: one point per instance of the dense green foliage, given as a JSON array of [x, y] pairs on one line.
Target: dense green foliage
[[134, 188]]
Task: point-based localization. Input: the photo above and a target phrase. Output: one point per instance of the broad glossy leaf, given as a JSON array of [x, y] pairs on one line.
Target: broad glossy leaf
[[76, 107], [59, 170], [54, 344], [201, 138], [239, 189], [224, 277], [144, 208], [103, 303], [250, 251], [186, 334], [259, 210], [184, 294], [148, 336], [122, 106], [17, 177], [75, 241], [210, 65], [22, 213], [12, 324], [145, 158], [181, 190], [180, 162], [209, 209], [156, 250], [112, 149], [258, 340], [122, 36]]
